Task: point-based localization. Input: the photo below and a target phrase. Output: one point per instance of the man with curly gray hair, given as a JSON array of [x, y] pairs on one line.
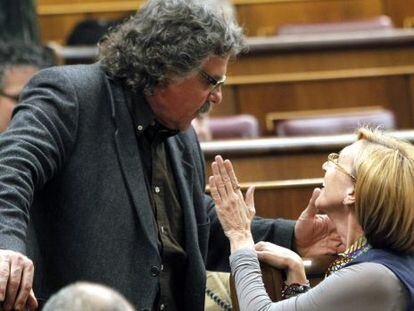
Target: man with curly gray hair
[[101, 176]]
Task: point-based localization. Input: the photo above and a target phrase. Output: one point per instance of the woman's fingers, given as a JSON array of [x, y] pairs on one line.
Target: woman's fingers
[[224, 175], [213, 190], [249, 199], [232, 209], [272, 259], [221, 188], [233, 178]]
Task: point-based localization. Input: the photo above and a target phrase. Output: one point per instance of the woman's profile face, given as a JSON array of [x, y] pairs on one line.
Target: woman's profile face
[[338, 182]]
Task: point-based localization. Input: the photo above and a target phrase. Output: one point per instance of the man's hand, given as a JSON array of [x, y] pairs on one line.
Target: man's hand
[[16, 281], [315, 234]]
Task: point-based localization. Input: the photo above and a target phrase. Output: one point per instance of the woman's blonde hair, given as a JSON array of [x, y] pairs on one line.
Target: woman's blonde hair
[[384, 190]]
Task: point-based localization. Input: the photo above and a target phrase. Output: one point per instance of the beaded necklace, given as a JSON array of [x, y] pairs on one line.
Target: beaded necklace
[[361, 246]]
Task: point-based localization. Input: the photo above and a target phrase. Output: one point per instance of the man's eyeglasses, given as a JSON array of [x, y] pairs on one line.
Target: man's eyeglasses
[[215, 84], [11, 97], [333, 158]]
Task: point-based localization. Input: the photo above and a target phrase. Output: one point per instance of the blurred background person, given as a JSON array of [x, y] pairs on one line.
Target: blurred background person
[[18, 63], [18, 21]]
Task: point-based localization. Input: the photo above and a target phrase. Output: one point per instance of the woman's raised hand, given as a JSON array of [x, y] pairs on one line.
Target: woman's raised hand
[[234, 212]]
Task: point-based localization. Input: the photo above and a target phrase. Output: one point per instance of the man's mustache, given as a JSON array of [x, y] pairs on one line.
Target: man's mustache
[[205, 108]]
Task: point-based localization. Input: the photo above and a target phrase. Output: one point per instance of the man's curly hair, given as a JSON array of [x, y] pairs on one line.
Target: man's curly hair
[[166, 40]]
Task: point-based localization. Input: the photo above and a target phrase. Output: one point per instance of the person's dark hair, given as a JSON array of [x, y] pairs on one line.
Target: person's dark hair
[[166, 40], [90, 31], [87, 297], [20, 54]]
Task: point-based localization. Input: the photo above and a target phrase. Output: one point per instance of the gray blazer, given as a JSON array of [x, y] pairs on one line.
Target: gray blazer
[[73, 196]]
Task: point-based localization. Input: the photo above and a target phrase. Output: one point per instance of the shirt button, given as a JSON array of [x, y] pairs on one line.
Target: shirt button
[[162, 229], [155, 271], [162, 307], [140, 127], [157, 189]]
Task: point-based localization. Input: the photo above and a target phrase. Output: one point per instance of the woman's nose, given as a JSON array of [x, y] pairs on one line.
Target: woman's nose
[[325, 166]]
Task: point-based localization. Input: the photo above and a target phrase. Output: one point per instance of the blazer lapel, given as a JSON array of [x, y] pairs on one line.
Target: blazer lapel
[[130, 161]]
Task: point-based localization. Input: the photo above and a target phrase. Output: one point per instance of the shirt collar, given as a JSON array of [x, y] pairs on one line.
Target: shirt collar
[[144, 118]]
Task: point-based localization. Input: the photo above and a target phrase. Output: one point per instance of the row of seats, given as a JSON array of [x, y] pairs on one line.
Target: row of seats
[[379, 23], [297, 123]]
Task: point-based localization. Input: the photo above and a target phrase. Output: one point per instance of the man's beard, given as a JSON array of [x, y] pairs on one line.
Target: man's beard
[[204, 109]]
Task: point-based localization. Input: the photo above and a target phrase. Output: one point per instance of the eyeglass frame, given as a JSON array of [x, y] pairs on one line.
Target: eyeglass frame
[[333, 158], [11, 97], [214, 82]]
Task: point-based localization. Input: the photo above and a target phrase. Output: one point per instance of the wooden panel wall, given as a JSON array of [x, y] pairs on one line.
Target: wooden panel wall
[[392, 92], [323, 77], [264, 17], [401, 12], [57, 17], [58, 27]]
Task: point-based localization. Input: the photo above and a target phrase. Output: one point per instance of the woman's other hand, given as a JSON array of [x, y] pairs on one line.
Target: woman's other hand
[[234, 212], [282, 258]]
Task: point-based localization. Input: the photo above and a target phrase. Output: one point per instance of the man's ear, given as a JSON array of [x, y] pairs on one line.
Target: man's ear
[[349, 200]]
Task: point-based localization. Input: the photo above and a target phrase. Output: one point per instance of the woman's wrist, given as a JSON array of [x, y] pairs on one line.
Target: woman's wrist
[[240, 239], [294, 289], [295, 272]]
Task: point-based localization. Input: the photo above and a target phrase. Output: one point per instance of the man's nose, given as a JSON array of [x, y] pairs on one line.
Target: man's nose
[[216, 96]]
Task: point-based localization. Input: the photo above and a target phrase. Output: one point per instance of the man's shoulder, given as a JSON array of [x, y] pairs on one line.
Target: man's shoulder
[[78, 71], [85, 80]]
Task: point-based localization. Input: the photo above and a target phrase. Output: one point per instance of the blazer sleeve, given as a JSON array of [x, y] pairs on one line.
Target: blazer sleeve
[[34, 147]]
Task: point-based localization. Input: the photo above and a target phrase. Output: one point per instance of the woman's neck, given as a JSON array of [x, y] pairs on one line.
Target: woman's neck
[[347, 227]]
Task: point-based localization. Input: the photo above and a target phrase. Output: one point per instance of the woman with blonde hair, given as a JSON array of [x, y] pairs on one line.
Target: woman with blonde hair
[[368, 192]]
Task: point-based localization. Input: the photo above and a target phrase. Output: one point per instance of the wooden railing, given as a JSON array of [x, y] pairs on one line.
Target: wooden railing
[[257, 160]]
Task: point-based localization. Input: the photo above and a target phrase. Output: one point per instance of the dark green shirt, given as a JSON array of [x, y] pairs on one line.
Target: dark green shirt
[[165, 202]]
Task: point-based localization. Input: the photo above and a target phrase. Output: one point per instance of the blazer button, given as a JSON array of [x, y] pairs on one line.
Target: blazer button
[[155, 271]]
